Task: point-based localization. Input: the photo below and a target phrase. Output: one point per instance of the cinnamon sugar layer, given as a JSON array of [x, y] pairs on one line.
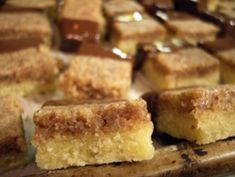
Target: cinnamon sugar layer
[[92, 118]]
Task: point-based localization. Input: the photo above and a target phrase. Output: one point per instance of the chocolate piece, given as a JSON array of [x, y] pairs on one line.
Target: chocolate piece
[[219, 45], [153, 5], [226, 24], [12, 9], [77, 102], [196, 6], [75, 31], [18, 44], [100, 51], [83, 10], [2, 2]]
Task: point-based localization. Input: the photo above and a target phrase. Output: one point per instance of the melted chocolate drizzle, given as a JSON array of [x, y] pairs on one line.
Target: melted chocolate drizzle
[[18, 44]]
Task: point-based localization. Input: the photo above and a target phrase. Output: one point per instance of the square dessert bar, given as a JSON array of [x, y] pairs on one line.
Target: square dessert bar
[[12, 142], [118, 7], [126, 35], [80, 21], [83, 10], [94, 132], [182, 68], [202, 114], [224, 50], [16, 25], [148, 49], [190, 28], [97, 73], [26, 67]]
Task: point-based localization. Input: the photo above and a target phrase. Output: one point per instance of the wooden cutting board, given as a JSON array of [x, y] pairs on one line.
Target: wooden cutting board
[[172, 159]]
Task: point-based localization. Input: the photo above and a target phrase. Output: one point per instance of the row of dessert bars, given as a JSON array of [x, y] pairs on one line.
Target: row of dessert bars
[[77, 133], [172, 46]]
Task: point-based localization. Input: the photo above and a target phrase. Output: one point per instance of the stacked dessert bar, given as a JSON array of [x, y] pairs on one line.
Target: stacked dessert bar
[[13, 148], [80, 21], [130, 25]]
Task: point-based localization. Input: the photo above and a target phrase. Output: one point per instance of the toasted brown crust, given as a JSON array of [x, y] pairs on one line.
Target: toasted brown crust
[[146, 28], [31, 3], [92, 118], [11, 133], [186, 62], [227, 57], [114, 7], [83, 10], [193, 27], [96, 79], [28, 24], [31, 64], [190, 100]]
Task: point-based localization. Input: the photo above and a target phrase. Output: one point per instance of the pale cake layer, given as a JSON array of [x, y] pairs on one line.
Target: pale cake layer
[[25, 25], [126, 36], [139, 29], [201, 115], [26, 69], [170, 81], [186, 67], [77, 134], [101, 148], [198, 32], [117, 7], [25, 88], [227, 62], [96, 78]]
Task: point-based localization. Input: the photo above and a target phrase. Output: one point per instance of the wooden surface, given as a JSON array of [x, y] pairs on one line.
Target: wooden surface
[[172, 159]]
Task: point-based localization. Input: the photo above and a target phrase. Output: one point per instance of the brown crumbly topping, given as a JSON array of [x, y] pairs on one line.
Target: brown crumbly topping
[[219, 98], [92, 118], [11, 133], [115, 7], [228, 57], [192, 27], [191, 61], [83, 10], [31, 23], [137, 29], [32, 64], [92, 77], [31, 3]]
